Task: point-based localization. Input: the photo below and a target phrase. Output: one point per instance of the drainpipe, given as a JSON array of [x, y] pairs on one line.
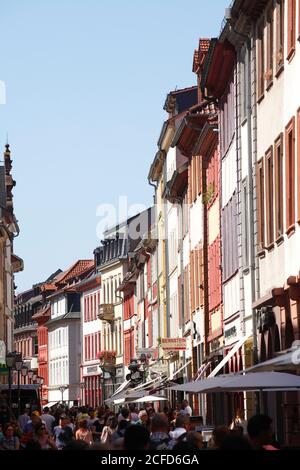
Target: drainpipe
[[179, 201], [251, 199], [167, 258], [156, 249]]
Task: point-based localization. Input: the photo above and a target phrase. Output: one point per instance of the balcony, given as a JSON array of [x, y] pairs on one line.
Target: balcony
[[106, 312]]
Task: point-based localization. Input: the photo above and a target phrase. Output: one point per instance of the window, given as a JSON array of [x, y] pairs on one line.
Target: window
[[185, 214], [278, 158], [279, 35], [291, 28], [104, 293], [290, 174], [35, 346], [270, 42], [269, 197], [227, 117], [172, 246], [245, 229], [229, 235], [186, 295], [244, 71], [260, 184], [85, 309], [260, 61], [194, 170], [192, 281]]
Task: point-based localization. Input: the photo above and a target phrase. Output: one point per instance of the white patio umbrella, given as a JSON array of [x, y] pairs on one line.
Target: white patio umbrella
[[286, 361], [258, 381], [150, 399]]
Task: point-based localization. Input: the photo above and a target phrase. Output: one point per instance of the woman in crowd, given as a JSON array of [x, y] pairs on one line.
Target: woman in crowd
[[9, 441], [44, 439], [109, 432], [83, 433]]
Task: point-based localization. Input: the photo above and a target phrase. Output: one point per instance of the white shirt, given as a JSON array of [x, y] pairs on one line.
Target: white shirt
[[187, 411]]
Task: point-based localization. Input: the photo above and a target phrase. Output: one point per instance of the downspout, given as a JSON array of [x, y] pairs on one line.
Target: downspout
[[179, 201], [251, 198], [250, 47], [167, 258], [156, 249]]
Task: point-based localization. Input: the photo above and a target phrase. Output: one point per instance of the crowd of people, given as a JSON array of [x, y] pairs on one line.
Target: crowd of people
[[85, 428]]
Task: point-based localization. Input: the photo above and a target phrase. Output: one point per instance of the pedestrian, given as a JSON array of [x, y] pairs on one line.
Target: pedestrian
[[239, 420], [186, 409], [63, 433], [195, 439], [159, 438], [218, 435], [9, 441], [43, 437], [260, 432], [23, 418], [136, 438], [143, 418], [109, 433], [83, 433], [181, 428], [134, 417], [48, 419]]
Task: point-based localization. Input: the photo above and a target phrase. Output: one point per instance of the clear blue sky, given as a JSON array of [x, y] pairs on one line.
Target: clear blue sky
[[85, 82]]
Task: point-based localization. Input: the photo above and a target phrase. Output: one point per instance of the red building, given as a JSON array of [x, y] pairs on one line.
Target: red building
[[41, 317], [90, 371]]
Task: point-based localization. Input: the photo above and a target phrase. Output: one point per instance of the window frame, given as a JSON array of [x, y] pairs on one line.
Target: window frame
[[291, 29], [269, 184], [280, 36], [260, 60], [290, 176], [270, 47], [260, 184], [279, 195], [245, 227]]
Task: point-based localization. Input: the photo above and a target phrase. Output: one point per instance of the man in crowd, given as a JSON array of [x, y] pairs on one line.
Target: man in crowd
[[159, 438]]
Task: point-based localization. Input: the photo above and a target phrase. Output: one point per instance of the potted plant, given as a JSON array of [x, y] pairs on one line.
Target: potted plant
[[107, 357]]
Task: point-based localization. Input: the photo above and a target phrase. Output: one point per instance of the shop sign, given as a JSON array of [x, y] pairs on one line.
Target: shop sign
[[159, 369], [173, 344], [145, 351]]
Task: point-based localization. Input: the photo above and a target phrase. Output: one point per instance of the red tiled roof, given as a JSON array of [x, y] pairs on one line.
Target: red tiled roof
[[43, 312], [204, 44], [200, 53], [75, 270]]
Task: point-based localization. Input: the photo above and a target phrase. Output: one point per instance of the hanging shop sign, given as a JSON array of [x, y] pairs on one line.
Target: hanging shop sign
[[173, 344]]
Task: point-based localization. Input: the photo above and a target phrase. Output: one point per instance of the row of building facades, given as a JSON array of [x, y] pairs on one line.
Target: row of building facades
[[215, 263]]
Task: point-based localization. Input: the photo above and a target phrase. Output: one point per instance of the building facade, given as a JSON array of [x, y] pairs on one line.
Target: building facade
[[9, 262], [64, 334], [91, 374]]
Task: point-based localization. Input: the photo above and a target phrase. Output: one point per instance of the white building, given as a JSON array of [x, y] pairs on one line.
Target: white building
[[64, 335]]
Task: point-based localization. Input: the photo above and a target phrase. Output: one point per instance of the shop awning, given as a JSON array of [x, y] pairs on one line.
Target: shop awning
[[50, 404], [201, 370], [122, 387], [259, 381], [179, 370], [285, 361], [230, 354]]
